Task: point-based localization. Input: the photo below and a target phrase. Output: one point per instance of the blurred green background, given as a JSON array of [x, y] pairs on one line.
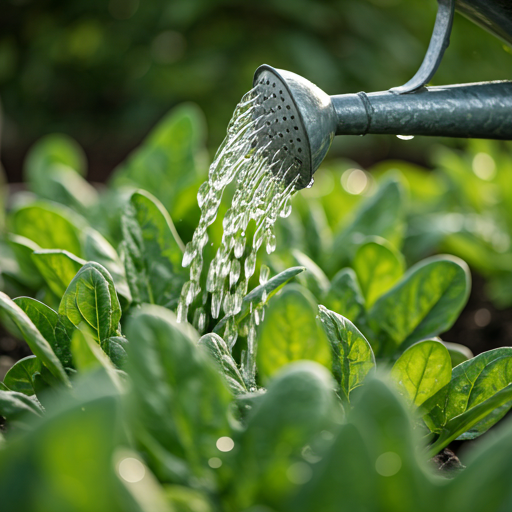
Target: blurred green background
[[105, 71]]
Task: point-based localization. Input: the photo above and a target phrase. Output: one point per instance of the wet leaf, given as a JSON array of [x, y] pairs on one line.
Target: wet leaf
[[219, 351], [153, 252], [180, 397], [424, 303], [422, 370], [378, 266], [290, 332], [299, 404], [352, 355], [473, 383], [98, 249]]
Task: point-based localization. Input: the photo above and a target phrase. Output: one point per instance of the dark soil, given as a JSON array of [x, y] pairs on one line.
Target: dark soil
[[481, 326], [447, 463]]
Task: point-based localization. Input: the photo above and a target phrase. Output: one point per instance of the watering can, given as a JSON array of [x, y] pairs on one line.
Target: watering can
[[299, 121]]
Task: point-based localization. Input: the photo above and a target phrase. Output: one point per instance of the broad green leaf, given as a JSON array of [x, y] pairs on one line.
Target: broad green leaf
[[314, 278], [42, 316], [475, 421], [380, 215], [473, 382], [291, 332], [56, 148], [57, 267], [69, 455], [23, 248], [91, 297], [378, 266], [484, 485], [424, 303], [401, 480], [344, 296], [180, 398], [115, 348], [98, 249], [345, 474], [39, 346], [49, 226], [218, 350], [298, 406], [458, 353], [263, 291], [422, 370], [352, 355], [167, 162], [20, 377], [88, 356], [14, 404], [154, 252], [93, 301], [64, 185]]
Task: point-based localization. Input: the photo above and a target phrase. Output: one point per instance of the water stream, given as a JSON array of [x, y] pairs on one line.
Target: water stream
[[262, 194]]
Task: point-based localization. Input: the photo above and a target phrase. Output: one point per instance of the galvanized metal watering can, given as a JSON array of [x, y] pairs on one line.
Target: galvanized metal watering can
[[301, 120]]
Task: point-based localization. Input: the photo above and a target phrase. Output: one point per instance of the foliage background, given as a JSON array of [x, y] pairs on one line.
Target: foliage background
[[105, 71]]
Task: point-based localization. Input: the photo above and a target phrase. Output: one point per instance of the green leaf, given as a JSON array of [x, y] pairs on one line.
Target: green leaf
[[422, 370], [458, 353], [91, 297], [299, 404], [23, 248], [167, 161], [57, 268], [475, 421], [115, 348], [39, 346], [88, 356], [266, 290], [291, 332], [423, 304], [49, 226], [402, 480], [77, 437], [180, 398], [64, 185], [20, 377], [218, 350], [56, 148], [314, 278], [352, 355], [472, 383], [378, 266], [52, 326], [154, 252], [14, 404], [344, 296], [380, 215], [98, 249]]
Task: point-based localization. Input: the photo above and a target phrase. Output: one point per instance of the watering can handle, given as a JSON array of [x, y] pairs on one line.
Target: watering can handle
[[439, 41]]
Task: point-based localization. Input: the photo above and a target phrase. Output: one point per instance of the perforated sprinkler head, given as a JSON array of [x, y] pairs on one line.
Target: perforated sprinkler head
[[297, 122]]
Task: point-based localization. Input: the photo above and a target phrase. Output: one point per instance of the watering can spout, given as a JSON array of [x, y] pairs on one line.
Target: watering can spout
[[311, 118], [481, 110]]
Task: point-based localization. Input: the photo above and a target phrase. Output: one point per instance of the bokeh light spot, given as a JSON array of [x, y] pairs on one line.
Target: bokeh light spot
[[131, 470], [225, 444], [388, 464]]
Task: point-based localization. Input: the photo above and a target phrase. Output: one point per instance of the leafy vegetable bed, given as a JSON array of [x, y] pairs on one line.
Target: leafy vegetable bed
[[121, 407]]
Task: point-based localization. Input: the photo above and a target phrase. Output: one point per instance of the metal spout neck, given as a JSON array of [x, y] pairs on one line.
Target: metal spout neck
[[480, 110]]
